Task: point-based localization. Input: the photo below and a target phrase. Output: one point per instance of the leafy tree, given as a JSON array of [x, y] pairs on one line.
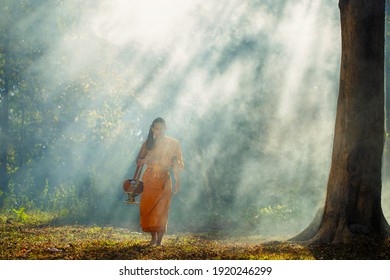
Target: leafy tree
[[20, 106]]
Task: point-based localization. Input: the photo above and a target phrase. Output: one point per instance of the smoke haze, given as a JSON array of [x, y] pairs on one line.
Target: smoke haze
[[249, 88]]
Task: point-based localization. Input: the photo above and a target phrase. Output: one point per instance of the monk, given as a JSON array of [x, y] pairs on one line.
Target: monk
[[161, 154]]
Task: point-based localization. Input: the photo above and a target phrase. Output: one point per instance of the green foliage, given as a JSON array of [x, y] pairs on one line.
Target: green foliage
[[277, 213], [23, 217], [21, 214]]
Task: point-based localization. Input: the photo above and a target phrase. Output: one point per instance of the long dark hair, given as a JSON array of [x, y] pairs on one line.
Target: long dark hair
[[151, 140]]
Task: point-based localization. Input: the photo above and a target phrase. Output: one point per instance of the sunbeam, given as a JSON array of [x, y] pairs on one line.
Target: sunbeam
[[248, 87]]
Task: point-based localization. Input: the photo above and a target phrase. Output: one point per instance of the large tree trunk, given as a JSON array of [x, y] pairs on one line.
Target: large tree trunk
[[353, 202]]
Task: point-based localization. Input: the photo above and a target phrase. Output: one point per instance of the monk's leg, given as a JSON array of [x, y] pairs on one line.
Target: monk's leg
[[153, 241], [160, 236]]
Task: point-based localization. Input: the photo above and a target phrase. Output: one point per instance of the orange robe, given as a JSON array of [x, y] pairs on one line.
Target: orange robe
[[157, 193]]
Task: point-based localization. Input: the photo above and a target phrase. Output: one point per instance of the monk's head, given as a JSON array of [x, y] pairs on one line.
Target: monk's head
[[157, 130], [158, 127]]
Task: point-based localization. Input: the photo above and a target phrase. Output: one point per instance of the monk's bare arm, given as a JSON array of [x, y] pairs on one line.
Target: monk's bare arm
[[141, 159], [176, 175]]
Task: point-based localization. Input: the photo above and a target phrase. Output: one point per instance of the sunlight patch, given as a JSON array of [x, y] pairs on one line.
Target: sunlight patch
[[148, 22]]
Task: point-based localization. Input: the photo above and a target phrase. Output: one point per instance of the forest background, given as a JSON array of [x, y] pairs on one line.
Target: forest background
[[249, 89]]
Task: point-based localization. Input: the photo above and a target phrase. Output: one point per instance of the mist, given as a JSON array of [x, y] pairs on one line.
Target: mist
[[249, 88]]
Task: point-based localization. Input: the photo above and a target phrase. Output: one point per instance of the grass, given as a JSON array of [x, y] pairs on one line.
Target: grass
[[38, 239], [100, 243], [108, 243]]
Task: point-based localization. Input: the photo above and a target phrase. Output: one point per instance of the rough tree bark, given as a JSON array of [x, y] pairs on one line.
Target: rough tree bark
[[353, 202]]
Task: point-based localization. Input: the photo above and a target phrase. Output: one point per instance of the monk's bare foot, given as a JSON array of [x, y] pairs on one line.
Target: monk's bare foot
[[153, 242], [159, 238]]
